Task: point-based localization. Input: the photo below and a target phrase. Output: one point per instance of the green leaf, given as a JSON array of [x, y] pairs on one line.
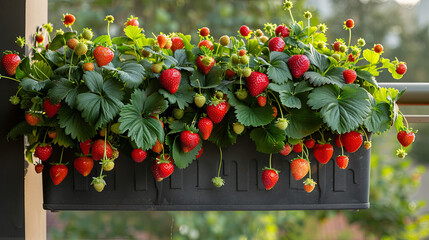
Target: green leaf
[[333, 76], [24, 69], [41, 70], [319, 60], [367, 76], [302, 122], [57, 43], [385, 94], [142, 129], [122, 40], [186, 41], [222, 134], [103, 39], [62, 139], [64, 89], [181, 159], [399, 123], [343, 111], [29, 84], [133, 32], [74, 125], [287, 87], [269, 139], [155, 104], [212, 80], [94, 81], [255, 116], [278, 70], [183, 96], [303, 86], [19, 130], [290, 100], [253, 47], [371, 56], [378, 120], [129, 72], [55, 57]]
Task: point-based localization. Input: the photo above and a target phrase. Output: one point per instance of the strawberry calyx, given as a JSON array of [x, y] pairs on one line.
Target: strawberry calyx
[[309, 181], [270, 168], [215, 101], [163, 158], [99, 179]]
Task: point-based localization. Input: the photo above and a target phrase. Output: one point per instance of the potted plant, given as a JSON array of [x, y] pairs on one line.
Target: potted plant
[[158, 100]]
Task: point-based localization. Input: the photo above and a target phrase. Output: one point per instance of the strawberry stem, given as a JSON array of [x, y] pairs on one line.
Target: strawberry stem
[[44, 138], [71, 64], [305, 150], [341, 144], [364, 132], [199, 86], [61, 157], [220, 162], [350, 36], [270, 159], [14, 79], [291, 16], [322, 136]]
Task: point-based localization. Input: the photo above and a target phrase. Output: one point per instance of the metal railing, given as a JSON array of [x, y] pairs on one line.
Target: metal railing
[[416, 94]]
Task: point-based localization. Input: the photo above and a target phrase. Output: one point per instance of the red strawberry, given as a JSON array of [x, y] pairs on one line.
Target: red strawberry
[[309, 185], [257, 82], [286, 150], [133, 21], [282, 31], [269, 178], [349, 75], [229, 73], [298, 64], [52, 134], [262, 100], [342, 161], [205, 43], [299, 168], [297, 147], [205, 64], [204, 32], [337, 46], [39, 38], [51, 109], [351, 141], [378, 48], [58, 173], [205, 125], [189, 140], [405, 138], [83, 165], [162, 40], [165, 165], [10, 62], [242, 52], [68, 20], [350, 23], [72, 42], [85, 146], [43, 151], [309, 143], [276, 44], [244, 31], [38, 168], [98, 150], [401, 69], [200, 152], [155, 171], [89, 66], [102, 55], [157, 147], [170, 79], [217, 110], [323, 152], [32, 119], [176, 43], [138, 155]]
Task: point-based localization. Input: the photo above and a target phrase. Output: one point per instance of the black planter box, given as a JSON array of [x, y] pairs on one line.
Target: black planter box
[[131, 186]]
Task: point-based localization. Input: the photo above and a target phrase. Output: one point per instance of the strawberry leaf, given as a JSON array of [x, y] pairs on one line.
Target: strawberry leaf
[[41, 70], [222, 134], [213, 78], [343, 110], [135, 118], [319, 60], [60, 40], [278, 70], [302, 122], [371, 56], [255, 116], [399, 123], [183, 96], [55, 57], [19, 130], [378, 120], [101, 39], [133, 32], [290, 100], [103, 102], [64, 89], [269, 139], [131, 73], [333, 76], [253, 47], [23, 70], [29, 84], [62, 139], [181, 159], [367, 76], [122, 40], [74, 125], [186, 41]]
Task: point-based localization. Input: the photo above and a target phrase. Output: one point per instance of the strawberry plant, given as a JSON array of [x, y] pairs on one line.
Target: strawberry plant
[[162, 97]]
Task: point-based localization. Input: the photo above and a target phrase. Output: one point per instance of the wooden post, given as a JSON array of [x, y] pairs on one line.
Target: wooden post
[[21, 215]]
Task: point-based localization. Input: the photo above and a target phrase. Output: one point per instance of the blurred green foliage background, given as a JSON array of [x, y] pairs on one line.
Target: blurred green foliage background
[[393, 214]]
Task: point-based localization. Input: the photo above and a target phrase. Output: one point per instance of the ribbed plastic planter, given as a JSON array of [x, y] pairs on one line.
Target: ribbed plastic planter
[[131, 186]]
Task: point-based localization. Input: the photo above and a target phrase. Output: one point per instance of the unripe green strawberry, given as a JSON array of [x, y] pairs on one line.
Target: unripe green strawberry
[[219, 94], [336, 57], [218, 182], [400, 153], [361, 42], [80, 49], [282, 123], [343, 48], [244, 59], [98, 183], [321, 45], [157, 67], [178, 113], [14, 100], [87, 34], [264, 39], [241, 94], [259, 33], [108, 165], [224, 40], [234, 59], [247, 72], [115, 128], [146, 53], [238, 128], [199, 100]]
